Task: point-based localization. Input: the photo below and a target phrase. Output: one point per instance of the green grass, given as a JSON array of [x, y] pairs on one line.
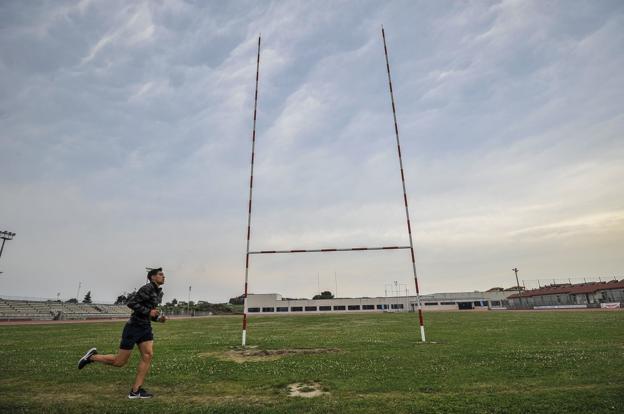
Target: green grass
[[483, 362]]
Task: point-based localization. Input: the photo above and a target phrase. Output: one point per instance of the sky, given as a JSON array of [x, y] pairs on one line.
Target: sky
[[126, 139]]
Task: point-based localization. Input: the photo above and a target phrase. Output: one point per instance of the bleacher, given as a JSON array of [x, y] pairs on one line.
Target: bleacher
[[53, 310]]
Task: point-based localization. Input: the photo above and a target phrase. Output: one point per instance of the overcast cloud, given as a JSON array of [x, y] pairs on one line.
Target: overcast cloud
[[126, 126]]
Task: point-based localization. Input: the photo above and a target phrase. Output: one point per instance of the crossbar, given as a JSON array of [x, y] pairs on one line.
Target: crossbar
[[350, 249]]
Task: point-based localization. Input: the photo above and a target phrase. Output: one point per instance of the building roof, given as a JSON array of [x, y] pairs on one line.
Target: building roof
[[571, 289]]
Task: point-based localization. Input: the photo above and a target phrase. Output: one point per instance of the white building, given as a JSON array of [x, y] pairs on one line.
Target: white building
[[273, 303]]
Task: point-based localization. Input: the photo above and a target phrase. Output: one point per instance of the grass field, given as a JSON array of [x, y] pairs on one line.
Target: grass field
[[483, 362]]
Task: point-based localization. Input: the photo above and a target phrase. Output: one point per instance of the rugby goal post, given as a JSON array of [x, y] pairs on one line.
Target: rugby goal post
[[249, 253]]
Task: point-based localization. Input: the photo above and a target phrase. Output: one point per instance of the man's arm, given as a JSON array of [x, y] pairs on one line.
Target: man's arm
[[138, 299]]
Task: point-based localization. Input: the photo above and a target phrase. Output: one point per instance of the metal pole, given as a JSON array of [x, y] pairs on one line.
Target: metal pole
[[253, 152], [188, 303], [386, 293], [515, 269], [5, 235], [318, 282], [409, 228]]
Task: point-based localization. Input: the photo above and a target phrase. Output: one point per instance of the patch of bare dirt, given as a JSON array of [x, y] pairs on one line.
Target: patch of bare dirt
[[306, 390], [254, 354]]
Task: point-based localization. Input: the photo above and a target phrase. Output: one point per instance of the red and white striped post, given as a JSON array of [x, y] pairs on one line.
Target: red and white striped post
[[409, 227], [253, 152]]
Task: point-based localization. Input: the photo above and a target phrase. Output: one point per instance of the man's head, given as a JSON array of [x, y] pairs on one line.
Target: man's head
[[156, 275]]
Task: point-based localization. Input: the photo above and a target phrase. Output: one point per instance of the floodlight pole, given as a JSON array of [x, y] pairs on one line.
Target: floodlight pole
[[253, 149], [5, 235], [409, 227]]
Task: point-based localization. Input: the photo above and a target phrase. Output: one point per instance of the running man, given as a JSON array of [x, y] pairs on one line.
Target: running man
[[138, 330]]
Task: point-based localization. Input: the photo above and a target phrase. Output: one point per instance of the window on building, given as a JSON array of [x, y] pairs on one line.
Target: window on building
[[447, 303], [252, 310], [282, 309], [381, 307], [296, 309], [339, 308], [268, 309], [354, 307], [368, 307], [431, 303], [310, 308], [325, 308], [495, 303]]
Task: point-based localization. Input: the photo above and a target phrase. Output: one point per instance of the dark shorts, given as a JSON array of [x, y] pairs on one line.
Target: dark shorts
[[135, 334]]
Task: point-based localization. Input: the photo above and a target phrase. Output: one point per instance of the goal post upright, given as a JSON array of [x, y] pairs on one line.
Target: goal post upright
[[253, 153], [409, 227]]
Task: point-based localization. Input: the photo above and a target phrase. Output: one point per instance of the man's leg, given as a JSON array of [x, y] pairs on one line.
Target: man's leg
[[118, 360], [147, 353]]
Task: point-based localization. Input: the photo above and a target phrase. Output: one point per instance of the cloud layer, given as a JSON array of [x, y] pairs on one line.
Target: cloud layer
[[126, 141]]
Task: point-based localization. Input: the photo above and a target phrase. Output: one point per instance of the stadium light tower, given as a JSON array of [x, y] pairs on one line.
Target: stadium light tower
[[5, 235]]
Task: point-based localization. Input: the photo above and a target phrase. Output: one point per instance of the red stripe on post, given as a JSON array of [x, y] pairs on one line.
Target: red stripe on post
[[420, 317]]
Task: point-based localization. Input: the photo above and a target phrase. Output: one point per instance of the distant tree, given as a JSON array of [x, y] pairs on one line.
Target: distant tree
[[87, 298], [324, 295], [174, 302], [121, 299], [72, 300], [239, 300]]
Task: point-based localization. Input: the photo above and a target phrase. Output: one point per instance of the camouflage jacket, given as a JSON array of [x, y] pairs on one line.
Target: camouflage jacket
[[148, 297]]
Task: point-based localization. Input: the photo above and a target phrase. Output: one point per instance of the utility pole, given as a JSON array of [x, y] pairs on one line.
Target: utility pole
[[188, 303], [515, 269], [318, 282], [78, 291], [336, 283]]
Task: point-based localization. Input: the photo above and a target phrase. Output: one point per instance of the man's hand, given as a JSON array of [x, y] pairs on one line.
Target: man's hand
[[154, 313], [162, 319]]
